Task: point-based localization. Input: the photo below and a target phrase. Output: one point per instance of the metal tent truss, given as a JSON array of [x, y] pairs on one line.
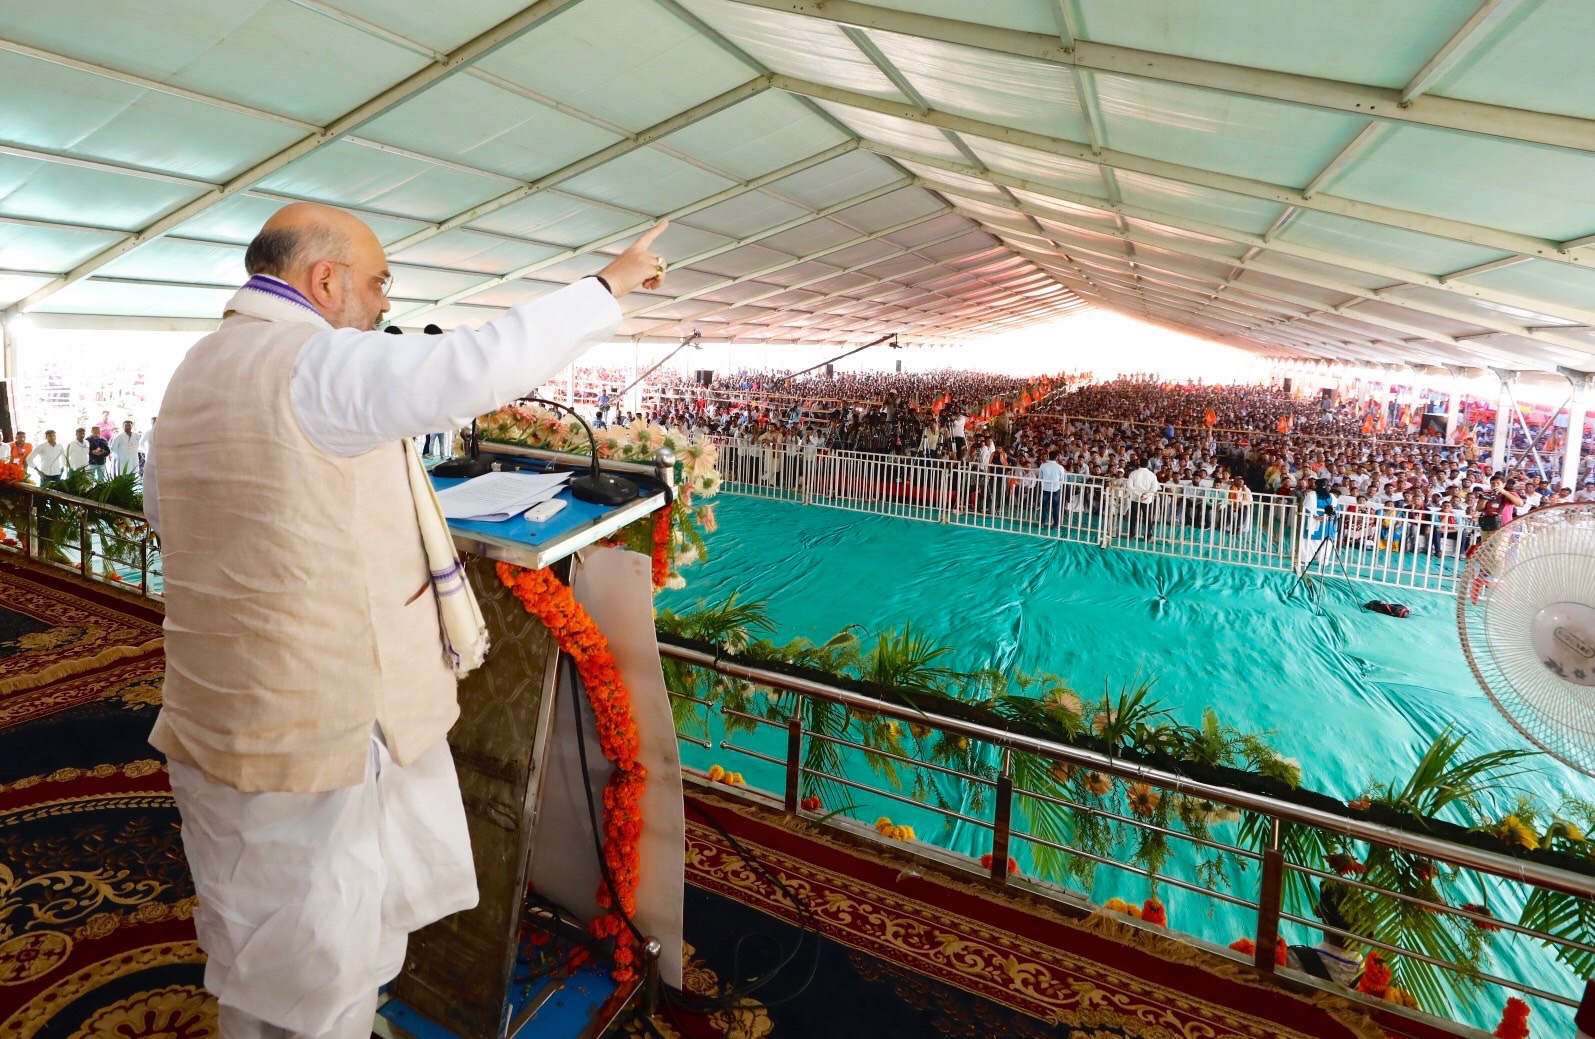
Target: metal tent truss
[[1345, 181]]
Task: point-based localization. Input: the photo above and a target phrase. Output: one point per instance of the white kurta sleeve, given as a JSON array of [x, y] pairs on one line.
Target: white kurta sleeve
[[354, 391]]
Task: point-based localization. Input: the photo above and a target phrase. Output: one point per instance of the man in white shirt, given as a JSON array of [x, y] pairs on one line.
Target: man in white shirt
[[1142, 488], [124, 450], [77, 450], [812, 442], [308, 887], [49, 460], [1051, 474]]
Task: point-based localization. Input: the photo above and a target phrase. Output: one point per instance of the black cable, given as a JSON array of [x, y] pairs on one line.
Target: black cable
[[806, 923], [732, 996], [592, 810]]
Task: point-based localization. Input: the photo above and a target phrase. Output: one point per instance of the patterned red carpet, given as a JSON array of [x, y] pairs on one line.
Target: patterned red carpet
[[909, 953], [96, 938], [52, 627], [97, 941]]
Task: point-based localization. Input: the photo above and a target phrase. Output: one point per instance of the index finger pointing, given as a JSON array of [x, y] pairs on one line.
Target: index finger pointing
[[649, 235]]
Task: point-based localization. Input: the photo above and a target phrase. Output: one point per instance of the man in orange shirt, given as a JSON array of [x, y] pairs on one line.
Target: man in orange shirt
[[21, 449]]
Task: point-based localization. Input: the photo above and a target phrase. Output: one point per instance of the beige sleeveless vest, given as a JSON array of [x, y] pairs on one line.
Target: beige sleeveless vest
[[299, 610]]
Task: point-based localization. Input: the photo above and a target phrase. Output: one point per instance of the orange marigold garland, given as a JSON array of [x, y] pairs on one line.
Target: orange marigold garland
[[1375, 980], [1514, 1020], [661, 546], [548, 599], [1247, 947]]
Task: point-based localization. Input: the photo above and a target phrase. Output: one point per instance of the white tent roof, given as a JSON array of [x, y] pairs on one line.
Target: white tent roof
[[1357, 180]]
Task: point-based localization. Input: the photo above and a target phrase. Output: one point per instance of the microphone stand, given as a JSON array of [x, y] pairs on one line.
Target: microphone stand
[[597, 486], [876, 342], [684, 344]]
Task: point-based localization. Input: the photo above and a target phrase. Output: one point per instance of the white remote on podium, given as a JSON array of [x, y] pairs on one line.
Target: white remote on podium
[[544, 511]]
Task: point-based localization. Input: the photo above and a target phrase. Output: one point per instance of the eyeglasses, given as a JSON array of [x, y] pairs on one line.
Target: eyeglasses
[[387, 281]]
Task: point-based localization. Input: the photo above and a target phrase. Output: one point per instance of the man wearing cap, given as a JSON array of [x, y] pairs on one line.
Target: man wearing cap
[[316, 618]]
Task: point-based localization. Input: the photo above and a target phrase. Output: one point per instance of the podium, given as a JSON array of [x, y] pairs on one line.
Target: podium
[[515, 747]]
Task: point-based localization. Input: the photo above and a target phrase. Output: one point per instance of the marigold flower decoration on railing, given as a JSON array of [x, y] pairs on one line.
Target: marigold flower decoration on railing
[[11, 472], [1514, 1020], [552, 602], [1247, 947], [672, 537], [1375, 980]]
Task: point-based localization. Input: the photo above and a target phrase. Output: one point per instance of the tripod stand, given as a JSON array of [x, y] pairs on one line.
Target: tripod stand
[[1331, 516]]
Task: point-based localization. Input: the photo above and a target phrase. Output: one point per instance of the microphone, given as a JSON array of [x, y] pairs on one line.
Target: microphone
[[597, 487]]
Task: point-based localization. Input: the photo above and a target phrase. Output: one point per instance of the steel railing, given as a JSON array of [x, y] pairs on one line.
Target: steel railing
[[1421, 550], [99, 542], [1005, 826]]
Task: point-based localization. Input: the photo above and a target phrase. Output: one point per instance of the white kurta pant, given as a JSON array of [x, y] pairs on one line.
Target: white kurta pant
[[306, 900]]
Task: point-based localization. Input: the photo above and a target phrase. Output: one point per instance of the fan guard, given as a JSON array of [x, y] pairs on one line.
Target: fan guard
[[1526, 617]]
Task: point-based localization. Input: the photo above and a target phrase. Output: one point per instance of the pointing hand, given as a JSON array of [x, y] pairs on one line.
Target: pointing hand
[[637, 266]]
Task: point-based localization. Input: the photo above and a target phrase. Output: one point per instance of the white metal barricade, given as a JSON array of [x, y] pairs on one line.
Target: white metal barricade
[[1407, 549]]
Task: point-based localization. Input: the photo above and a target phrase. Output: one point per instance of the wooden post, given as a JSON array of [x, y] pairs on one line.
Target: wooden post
[[1002, 823], [794, 758], [85, 544], [1269, 899]]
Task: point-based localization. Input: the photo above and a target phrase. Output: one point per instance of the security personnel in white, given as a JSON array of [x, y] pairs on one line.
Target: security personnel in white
[[124, 450], [311, 661], [1051, 476]]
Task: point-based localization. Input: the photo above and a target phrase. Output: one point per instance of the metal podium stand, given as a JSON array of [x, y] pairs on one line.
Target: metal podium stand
[[467, 975]]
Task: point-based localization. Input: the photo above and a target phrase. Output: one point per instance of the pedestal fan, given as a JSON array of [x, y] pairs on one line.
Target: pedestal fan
[[1526, 615]]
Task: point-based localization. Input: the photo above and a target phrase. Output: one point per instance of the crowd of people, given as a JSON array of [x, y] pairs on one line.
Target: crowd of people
[[927, 414], [1063, 442], [1206, 455], [1397, 483]]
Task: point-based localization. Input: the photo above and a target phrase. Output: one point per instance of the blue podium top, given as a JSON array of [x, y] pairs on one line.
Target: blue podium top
[[536, 545]]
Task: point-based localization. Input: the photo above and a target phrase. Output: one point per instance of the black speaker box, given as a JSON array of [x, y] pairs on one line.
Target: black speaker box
[[7, 417]]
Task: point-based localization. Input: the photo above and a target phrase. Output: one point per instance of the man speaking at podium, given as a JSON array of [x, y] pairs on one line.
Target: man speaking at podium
[[314, 628]]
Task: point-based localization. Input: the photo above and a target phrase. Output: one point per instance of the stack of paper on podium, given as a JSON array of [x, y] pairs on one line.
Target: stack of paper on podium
[[499, 496]]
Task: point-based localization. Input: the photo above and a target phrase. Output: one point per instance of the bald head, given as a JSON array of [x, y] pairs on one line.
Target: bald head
[[330, 256], [298, 235]]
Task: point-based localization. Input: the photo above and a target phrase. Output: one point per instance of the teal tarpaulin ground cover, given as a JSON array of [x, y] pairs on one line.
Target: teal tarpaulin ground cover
[[1354, 696]]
